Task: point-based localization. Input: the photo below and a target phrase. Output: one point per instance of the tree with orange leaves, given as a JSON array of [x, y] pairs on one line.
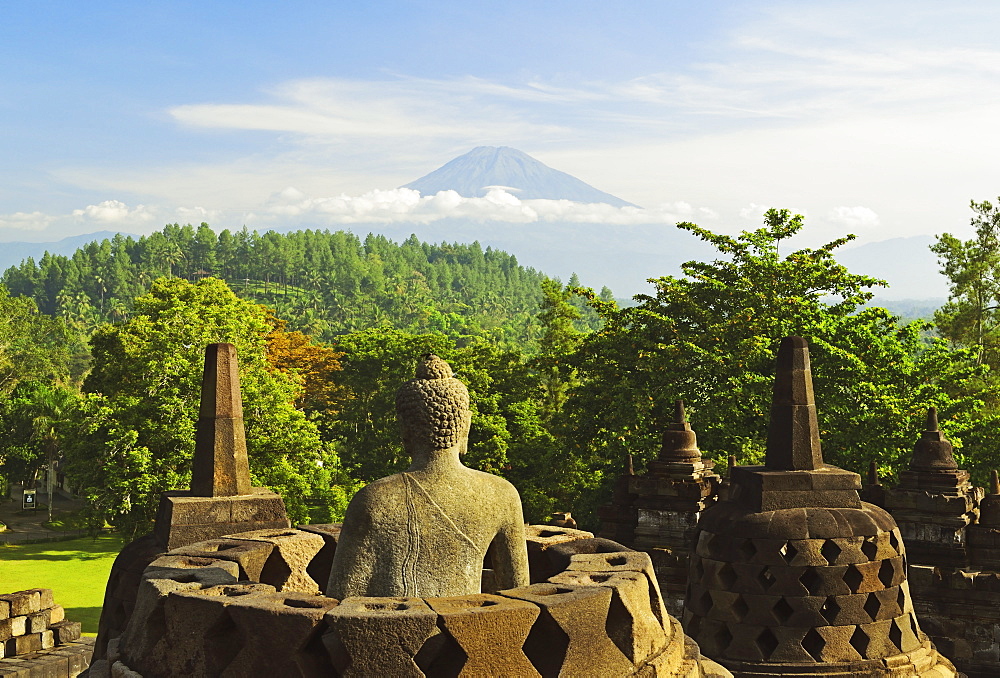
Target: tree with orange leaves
[[314, 365]]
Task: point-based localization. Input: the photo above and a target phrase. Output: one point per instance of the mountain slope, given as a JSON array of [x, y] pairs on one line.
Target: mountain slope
[[12, 253], [472, 174], [907, 264]]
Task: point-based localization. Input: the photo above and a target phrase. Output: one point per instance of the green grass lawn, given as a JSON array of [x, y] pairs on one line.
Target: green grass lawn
[[76, 571]]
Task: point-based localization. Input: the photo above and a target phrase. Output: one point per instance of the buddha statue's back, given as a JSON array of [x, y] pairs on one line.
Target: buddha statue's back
[[426, 531]]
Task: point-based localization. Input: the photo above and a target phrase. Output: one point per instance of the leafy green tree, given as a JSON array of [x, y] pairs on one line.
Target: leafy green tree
[[710, 336], [558, 342], [134, 430], [971, 317], [32, 345]]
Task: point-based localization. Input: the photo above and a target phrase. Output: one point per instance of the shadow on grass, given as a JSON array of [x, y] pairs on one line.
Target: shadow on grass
[[87, 616], [84, 548]]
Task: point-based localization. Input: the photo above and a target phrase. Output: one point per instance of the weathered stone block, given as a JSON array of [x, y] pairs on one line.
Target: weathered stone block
[[542, 537], [143, 642], [569, 637], [13, 626], [625, 561], [172, 562], [632, 624], [287, 567], [320, 566], [249, 556], [65, 631], [23, 602], [489, 632], [183, 518], [38, 621], [277, 630], [378, 636], [202, 637]]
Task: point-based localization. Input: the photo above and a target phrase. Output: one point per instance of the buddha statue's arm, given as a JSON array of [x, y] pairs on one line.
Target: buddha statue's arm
[[353, 560], [509, 548]]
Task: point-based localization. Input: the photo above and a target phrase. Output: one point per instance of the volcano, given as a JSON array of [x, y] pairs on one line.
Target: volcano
[[486, 167]]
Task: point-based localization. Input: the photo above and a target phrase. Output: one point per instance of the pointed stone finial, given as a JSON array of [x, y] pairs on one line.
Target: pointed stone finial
[[732, 465], [873, 479], [933, 452], [220, 468], [989, 507], [793, 435], [680, 444]]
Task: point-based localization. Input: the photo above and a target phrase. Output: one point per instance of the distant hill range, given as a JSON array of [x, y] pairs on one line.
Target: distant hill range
[[621, 257], [13, 253], [484, 167]]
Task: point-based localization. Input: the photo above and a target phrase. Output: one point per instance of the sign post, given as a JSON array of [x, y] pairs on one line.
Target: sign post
[[28, 500]]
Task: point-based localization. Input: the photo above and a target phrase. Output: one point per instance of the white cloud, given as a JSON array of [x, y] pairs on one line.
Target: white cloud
[[753, 211], [854, 217], [114, 212], [404, 205], [25, 221]]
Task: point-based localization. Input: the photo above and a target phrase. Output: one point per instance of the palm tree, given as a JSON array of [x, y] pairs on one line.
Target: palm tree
[[171, 255], [50, 408]]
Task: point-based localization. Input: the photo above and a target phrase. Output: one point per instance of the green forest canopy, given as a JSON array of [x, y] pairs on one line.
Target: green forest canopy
[[562, 389], [323, 283]]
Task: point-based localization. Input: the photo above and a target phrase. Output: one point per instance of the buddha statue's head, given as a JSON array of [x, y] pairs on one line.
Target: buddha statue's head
[[433, 409]]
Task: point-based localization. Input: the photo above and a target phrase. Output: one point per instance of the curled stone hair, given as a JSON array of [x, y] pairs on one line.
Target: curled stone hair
[[434, 407]]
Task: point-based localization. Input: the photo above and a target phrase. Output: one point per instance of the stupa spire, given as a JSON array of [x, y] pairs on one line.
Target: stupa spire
[[220, 467], [793, 436], [933, 452], [680, 444]]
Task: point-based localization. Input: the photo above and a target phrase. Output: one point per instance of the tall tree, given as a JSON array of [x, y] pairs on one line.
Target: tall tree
[[709, 337], [134, 431], [971, 317]]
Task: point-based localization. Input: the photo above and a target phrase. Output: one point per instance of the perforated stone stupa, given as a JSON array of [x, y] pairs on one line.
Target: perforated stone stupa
[[934, 502], [248, 603], [657, 511], [792, 573]]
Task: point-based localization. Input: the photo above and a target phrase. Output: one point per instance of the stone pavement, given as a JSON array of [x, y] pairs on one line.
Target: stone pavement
[[24, 526]]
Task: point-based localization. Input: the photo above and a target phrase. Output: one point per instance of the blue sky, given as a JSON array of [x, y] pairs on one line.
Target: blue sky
[[878, 118]]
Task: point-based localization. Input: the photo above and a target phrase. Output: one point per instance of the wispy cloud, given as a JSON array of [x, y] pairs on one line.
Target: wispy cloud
[[404, 205], [25, 221], [854, 217], [113, 212], [292, 208]]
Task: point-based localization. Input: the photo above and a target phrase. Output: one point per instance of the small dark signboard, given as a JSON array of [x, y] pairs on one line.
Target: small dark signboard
[[28, 500]]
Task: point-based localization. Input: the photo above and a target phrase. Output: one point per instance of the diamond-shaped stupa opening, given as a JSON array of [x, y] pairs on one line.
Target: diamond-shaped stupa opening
[[706, 602], [896, 635], [782, 611], [740, 608], [872, 606], [765, 578], [869, 547], [812, 580], [814, 643], [830, 609], [853, 578], [727, 576], [860, 642], [831, 551], [767, 642], [886, 573]]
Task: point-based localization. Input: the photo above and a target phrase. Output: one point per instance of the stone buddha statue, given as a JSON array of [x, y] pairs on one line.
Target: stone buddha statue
[[425, 532]]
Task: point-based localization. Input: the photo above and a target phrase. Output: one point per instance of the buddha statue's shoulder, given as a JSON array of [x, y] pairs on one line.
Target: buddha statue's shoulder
[[495, 483], [387, 489]]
